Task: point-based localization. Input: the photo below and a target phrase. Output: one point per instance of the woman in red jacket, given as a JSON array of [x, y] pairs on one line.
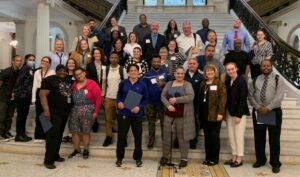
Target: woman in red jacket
[[86, 96]]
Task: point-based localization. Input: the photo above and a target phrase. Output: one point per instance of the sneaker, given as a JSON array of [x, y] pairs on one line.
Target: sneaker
[[67, 139], [5, 138], [20, 138], [85, 154], [75, 153], [38, 141], [138, 163], [9, 135], [27, 137], [107, 141], [119, 163]]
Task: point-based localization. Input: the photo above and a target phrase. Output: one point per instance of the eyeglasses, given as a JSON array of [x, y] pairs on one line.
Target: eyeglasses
[[44, 61]]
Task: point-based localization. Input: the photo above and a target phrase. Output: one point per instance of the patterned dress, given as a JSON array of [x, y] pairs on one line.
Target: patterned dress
[[81, 114]]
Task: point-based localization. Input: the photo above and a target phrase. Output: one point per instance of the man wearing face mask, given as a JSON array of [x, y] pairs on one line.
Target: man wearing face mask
[[22, 92]]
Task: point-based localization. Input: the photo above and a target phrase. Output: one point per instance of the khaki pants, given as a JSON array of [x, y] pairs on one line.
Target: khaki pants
[[236, 133], [110, 107]]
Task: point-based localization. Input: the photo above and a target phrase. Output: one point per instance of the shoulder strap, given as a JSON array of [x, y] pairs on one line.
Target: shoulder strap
[[195, 38], [121, 71], [276, 80], [254, 80]]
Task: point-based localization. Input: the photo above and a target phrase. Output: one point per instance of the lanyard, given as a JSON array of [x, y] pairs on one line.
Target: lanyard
[[43, 76]]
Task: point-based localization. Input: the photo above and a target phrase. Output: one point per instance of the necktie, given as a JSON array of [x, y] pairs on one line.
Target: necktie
[[236, 35], [60, 57], [154, 40], [263, 90]]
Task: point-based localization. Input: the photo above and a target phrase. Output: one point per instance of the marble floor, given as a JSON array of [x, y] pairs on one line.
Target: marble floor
[[17, 165]]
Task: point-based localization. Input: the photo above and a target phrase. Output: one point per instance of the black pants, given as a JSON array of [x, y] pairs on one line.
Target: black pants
[[212, 140], [6, 114], [54, 137], [260, 131], [124, 124], [38, 132], [255, 70], [23, 106]]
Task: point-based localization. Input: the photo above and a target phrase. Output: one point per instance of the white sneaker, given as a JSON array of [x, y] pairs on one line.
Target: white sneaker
[[38, 141]]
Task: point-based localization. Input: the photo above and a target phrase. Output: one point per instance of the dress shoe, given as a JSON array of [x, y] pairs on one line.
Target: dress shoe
[[27, 137], [183, 163], [229, 162], [205, 162], [20, 138], [107, 141], [275, 169], [236, 164], [163, 161], [119, 163], [138, 163], [257, 165], [50, 166], [60, 159], [151, 142]]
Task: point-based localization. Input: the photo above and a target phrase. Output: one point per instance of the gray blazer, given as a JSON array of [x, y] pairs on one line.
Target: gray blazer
[[189, 131]]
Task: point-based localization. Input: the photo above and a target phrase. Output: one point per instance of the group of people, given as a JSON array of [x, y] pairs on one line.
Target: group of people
[[186, 80]]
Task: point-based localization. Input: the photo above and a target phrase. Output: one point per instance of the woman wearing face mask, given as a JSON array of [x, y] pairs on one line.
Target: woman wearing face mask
[[22, 93], [175, 58], [40, 74], [83, 55], [236, 111], [138, 60], [85, 31]]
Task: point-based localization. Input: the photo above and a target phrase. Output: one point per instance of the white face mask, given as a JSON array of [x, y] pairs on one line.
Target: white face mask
[[31, 64]]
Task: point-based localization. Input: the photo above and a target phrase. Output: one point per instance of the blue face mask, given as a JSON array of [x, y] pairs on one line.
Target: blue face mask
[[31, 64]]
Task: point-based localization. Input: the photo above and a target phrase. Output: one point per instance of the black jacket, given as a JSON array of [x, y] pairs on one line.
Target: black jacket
[[237, 97], [148, 49], [92, 73]]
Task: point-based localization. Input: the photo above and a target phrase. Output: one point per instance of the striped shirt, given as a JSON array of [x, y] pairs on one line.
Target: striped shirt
[[173, 61], [261, 51]]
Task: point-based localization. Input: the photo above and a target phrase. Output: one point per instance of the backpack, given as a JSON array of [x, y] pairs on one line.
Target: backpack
[[121, 68]]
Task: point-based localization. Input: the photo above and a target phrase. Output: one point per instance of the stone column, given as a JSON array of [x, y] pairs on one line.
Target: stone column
[[20, 37], [43, 25]]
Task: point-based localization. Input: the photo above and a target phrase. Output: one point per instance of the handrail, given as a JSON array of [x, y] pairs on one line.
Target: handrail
[[285, 58], [116, 10]]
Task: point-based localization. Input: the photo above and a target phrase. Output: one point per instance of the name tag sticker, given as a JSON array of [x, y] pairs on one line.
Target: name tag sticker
[[213, 87], [196, 80], [161, 77], [148, 41], [173, 58], [122, 34], [86, 91], [175, 35], [153, 81]]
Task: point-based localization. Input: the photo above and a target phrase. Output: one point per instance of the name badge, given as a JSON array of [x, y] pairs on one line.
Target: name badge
[[196, 80], [175, 35], [86, 91], [153, 81], [148, 41], [69, 99], [213, 87], [173, 58], [121, 34], [161, 77]]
